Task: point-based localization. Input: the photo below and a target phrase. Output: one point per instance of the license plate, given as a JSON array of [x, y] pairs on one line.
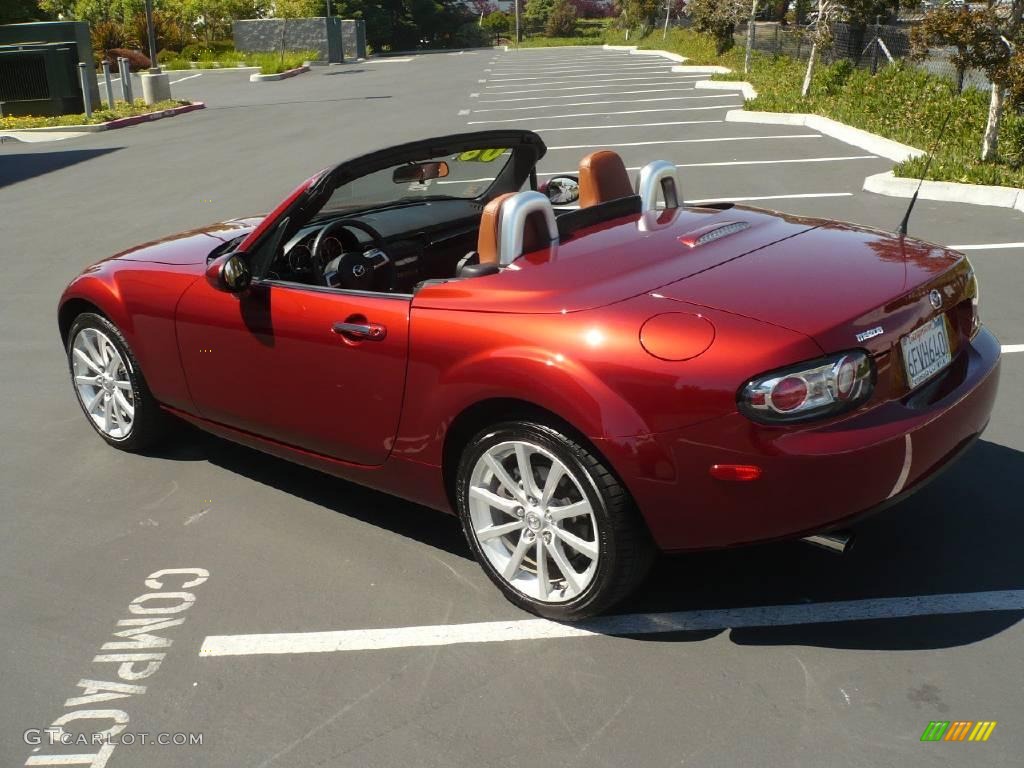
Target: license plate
[[925, 351]]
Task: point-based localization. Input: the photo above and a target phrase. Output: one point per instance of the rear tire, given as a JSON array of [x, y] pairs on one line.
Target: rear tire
[[110, 387], [566, 549]]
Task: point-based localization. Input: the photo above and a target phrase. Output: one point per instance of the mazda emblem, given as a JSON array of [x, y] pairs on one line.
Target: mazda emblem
[[936, 299], [359, 270]]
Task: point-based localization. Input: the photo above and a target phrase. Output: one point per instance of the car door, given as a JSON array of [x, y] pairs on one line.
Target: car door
[[315, 368]]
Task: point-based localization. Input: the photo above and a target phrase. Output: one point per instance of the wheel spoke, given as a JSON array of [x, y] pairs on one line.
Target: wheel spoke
[[543, 582], [526, 470], [107, 408], [570, 510], [127, 407], [94, 380], [586, 548], [88, 361], [91, 342], [119, 418], [503, 477], [571, 577], [551, 483], [93, 403], [508, 506], [494, 531], [517, 558], [125, 385]]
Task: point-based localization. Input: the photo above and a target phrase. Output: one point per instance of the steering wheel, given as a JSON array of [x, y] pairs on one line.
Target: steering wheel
[[353, 269]]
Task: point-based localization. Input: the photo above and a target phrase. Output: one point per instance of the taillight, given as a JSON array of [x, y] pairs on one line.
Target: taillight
[[972, 291], [809, 390]]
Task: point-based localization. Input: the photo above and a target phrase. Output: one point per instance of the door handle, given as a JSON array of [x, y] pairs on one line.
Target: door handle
[[361, 331]]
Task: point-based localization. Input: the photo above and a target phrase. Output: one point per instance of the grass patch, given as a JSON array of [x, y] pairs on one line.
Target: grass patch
[[269, 63], [901, 102], [122, 109]]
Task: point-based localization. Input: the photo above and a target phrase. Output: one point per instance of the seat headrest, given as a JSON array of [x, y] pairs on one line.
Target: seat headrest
[[603, 178], [539, 228]]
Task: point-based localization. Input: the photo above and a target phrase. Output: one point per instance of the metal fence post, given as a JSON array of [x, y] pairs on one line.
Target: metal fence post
[[109, 84], [86, 92], [874, 47]]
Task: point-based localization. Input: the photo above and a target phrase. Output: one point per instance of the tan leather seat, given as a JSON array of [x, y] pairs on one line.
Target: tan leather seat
[[535, 235], [603, 177]]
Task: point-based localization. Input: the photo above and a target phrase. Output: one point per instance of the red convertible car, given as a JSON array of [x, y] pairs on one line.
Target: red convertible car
[[585, 371]]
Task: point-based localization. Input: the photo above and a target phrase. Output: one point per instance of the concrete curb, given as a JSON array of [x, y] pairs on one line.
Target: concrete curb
[[946, 191], [728, 85], [196, 70], [664, 54], [618, 47], [887, 148], [700, 69], [258, 78], [61, 132]]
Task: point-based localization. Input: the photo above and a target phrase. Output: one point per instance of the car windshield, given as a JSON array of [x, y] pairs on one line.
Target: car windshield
[[465, 175]]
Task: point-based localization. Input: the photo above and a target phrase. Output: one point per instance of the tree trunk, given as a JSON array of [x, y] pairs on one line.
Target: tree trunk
[[810, 70], [990, 143]]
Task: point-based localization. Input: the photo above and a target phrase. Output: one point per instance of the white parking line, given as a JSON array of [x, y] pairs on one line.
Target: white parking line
[[741, 162], [563, 72], [604, 80], [628, 625], [610, 101], [599, 114], [622, 125], [715, 140], [388, 60], [1009, 348], [707, 200], [183, 79], [604, 76], [986, 246], [588, 95], [681, 80]]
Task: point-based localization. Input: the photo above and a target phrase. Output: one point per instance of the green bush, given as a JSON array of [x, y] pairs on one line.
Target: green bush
[[1012, 142], [562, 20], [497, 24]]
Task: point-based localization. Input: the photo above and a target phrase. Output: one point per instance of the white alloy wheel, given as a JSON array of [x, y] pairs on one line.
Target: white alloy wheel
[[533, 521], [102, 383]]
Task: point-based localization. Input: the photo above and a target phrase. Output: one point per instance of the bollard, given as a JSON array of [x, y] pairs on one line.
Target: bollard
[[126, 78], [86, 92], [109, 84]]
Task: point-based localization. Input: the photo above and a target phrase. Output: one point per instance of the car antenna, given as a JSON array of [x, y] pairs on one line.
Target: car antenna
[[902, 230]]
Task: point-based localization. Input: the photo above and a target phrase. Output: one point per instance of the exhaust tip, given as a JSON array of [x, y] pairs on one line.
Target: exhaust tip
[[839, 542]]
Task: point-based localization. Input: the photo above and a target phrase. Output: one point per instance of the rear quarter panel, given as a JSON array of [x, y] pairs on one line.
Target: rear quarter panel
[[587, 367]]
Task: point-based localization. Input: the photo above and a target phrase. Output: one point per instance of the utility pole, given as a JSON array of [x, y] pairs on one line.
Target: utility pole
[[516, 3], [750, 36], [151, 33], [668, 8]]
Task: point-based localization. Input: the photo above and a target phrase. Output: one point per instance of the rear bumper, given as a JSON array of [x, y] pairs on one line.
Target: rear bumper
[[813, 479]]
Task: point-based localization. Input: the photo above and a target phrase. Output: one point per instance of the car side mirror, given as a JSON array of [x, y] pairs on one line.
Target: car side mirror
[[230, 272], [562, 190]]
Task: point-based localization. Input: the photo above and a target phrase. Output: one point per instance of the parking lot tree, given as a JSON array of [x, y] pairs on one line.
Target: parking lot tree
[[497, 24], [536, 14], [562, 21], [718, 18], [17, 11], [971, 36]]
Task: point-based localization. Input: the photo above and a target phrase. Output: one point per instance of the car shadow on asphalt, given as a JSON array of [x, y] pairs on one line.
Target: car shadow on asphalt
[[28, 165], [960, 534]]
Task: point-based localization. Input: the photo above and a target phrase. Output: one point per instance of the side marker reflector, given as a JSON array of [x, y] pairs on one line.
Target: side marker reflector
[[736, 472]]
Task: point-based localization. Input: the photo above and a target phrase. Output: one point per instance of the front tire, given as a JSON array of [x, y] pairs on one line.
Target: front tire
[[549, 523], [109, 385]]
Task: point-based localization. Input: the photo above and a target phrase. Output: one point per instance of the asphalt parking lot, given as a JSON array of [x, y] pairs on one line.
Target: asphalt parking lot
[[920, 622]]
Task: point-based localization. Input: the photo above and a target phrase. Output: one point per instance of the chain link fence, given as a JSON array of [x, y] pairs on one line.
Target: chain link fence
[[873, 47]]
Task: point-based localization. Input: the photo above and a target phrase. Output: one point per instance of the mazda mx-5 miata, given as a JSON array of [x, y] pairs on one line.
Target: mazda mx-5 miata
[[585, 375]]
